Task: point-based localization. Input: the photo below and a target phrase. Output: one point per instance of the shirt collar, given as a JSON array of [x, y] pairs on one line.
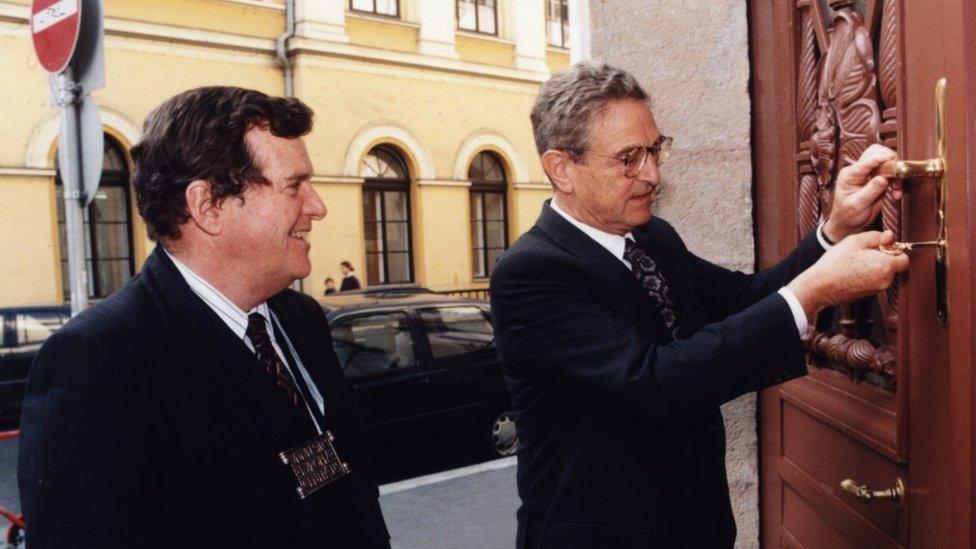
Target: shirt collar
[[613, 243], [227, 310]]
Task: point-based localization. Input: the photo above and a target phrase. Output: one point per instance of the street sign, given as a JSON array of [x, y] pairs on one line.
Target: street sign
[[54, 30], [92, 147], [89, 58]]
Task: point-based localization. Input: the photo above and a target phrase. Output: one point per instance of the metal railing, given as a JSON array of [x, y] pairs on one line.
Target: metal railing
[[471, 293]]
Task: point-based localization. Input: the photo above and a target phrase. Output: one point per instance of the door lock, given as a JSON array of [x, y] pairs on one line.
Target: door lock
[[932, 169]]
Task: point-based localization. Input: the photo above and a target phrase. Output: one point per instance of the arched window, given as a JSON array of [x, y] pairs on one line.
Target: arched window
[[386, 214], [489, 212], [107, 228]]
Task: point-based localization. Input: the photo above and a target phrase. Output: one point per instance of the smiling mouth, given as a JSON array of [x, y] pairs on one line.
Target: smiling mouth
[[300, 235]]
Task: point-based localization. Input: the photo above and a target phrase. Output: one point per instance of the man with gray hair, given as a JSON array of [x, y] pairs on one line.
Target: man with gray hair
[[619, 345]]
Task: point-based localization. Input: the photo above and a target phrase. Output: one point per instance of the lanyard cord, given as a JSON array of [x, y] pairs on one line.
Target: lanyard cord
[[291, 361]]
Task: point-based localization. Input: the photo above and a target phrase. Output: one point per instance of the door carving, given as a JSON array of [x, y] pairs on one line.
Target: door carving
[[847, 100], [875, 446]]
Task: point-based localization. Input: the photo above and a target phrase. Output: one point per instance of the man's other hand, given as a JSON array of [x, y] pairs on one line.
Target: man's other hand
[[858, 196], [852, 269]]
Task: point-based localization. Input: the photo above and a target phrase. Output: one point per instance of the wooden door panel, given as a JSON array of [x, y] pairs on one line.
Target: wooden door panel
[[890, 393], [806, 528], [870, 420], [826, 456]]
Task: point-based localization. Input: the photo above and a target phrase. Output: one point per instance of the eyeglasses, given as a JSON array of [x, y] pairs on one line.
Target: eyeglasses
[[635, 158]]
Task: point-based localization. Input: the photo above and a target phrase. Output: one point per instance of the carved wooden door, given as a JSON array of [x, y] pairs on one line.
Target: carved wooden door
[[888, 404]]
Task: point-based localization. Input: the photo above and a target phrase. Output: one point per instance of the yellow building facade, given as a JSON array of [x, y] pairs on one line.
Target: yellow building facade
[[422, 145]]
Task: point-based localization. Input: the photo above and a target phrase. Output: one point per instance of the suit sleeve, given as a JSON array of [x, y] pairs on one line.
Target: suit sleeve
[[552, 328], [732, 291], [82, 451]]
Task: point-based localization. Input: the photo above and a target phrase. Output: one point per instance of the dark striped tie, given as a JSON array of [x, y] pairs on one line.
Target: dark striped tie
[[653, 282], [257, 332]]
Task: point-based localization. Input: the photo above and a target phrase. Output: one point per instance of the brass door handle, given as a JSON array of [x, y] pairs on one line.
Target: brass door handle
[[895, 494], [933, 168]]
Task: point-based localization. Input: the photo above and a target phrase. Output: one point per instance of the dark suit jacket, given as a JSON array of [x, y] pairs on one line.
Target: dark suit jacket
[[622, 441], [138, 431], [349, 283]]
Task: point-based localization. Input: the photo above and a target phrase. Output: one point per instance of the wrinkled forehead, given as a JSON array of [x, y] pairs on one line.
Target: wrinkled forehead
[[623, 122]]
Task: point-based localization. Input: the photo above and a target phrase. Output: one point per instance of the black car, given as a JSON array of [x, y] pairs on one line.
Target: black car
[[22, 331], [421, 363]]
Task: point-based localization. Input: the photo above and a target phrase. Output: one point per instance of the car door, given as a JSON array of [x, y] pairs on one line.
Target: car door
[[466, 384], [30, 328], [378, 353]]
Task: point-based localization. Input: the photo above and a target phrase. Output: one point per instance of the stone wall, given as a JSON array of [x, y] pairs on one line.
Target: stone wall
[[693, 59]]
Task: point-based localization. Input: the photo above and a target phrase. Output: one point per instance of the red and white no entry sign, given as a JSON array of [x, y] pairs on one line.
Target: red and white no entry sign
[[54, 29]]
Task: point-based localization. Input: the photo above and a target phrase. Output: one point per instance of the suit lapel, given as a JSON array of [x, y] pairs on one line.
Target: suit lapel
[[607, 274], [204, 350]]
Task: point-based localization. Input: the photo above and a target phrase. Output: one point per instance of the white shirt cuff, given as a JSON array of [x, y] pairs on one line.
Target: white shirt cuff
[[799, 315], [822, 239]]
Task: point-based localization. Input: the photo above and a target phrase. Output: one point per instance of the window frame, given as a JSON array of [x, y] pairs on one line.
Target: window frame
[[563, 24], [484, 188], [111, 179], [415, 340], [20, 328], [477, 22], [380, 186], [450, 361], [375, 13]]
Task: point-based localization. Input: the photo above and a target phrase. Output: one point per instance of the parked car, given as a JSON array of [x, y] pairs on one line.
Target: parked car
[[22, 331], [421, 363]]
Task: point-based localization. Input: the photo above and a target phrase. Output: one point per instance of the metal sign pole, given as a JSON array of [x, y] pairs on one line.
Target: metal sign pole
[[69, 162]]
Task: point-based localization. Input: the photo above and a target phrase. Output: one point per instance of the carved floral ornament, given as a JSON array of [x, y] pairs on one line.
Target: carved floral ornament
[[846, 101]]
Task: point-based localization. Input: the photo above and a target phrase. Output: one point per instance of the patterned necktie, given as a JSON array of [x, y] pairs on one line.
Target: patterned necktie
[[257, 332], [654, 283]]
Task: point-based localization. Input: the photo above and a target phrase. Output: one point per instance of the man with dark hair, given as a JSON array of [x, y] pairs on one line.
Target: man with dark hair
[[619, 345], [349, 280], [202, 404]]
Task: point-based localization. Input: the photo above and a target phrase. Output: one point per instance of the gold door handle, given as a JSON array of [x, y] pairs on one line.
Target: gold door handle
[[933, 168], [895, 494]]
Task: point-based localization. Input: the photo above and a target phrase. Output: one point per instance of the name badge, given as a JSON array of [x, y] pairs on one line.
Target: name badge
[[315, 464]]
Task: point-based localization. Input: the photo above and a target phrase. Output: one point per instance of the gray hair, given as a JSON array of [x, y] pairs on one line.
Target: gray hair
[[566, 103]]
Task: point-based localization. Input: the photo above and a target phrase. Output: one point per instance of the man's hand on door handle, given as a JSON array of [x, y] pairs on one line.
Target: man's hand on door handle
[[858, 196], [852, 269]]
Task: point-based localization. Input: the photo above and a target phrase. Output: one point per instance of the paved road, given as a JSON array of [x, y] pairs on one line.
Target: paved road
[[468, 506]]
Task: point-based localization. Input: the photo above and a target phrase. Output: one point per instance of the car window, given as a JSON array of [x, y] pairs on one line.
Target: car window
[[35, 327], [454, 331], [373, 343]]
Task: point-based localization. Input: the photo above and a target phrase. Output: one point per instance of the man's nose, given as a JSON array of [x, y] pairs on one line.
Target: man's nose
[[313, 205], [650, 173]]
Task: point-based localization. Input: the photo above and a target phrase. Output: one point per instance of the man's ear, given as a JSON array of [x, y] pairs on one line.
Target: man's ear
[[199, 203], [559, 167]]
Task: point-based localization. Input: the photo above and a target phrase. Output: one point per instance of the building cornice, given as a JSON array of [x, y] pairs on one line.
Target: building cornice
[[299, 46], [26, 172], [156, 32], [338, 179], [269, 4], [443, 183]]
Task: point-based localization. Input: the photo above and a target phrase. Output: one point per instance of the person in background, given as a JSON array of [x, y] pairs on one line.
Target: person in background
[[349, 280], [330, 286]]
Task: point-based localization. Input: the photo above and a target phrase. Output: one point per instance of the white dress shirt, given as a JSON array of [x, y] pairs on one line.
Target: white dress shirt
[[237, 319], [614, 243]]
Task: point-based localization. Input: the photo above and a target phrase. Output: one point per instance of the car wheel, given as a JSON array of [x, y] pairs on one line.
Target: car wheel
[[503, 437]]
